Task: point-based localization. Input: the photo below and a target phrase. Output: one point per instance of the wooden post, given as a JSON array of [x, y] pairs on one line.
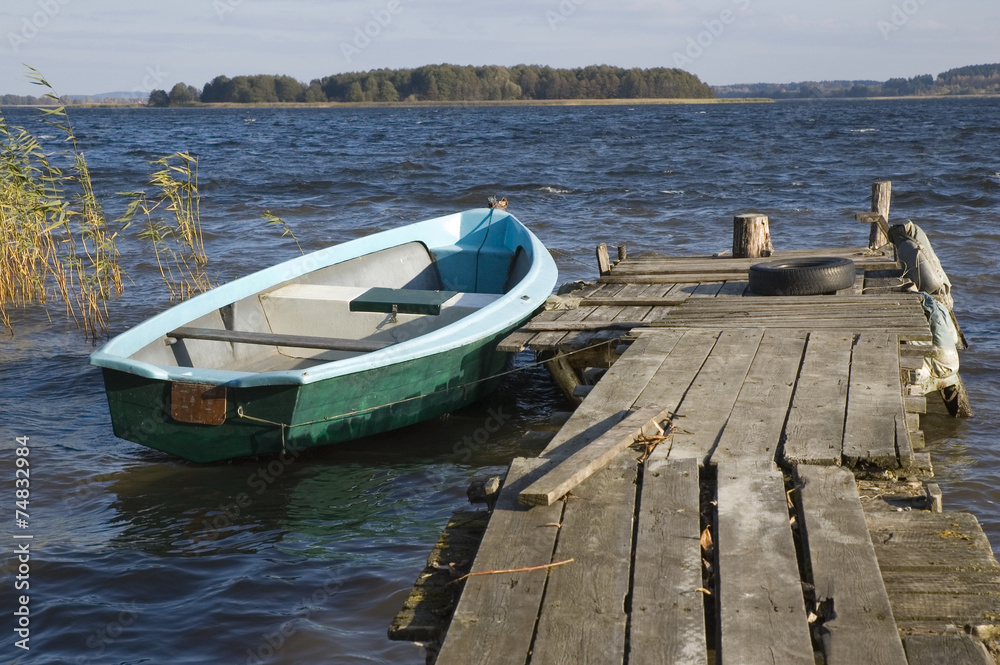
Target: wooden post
[[622, 252], [881, 196], [603, 260], [751, 237]]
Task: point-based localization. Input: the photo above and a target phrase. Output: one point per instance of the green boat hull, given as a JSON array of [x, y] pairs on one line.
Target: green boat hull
[[268, 420]]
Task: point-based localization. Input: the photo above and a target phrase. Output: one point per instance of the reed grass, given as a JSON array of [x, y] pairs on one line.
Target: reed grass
[[270, 218], [176, 238], [54, 238]]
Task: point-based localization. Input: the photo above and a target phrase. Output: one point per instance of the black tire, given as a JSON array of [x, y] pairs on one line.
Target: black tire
[[801, 277]]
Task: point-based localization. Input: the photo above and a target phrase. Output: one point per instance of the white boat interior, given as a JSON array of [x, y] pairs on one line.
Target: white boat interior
[[310, 320]]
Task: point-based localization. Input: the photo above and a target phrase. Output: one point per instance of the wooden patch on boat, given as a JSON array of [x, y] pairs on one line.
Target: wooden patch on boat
[[198, 403]]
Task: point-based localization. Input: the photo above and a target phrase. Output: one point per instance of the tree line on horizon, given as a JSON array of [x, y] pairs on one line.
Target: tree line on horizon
[[533, 82], [971, 80], [445, 83]]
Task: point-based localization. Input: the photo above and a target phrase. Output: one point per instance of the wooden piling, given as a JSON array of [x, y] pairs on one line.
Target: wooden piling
[[881, 197], [603, 260], [751, 237]]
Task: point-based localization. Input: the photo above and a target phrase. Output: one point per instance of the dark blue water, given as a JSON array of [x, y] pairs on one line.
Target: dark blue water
[[141, 558]]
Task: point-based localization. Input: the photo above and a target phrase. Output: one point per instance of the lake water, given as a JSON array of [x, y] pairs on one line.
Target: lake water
[[137, 557]]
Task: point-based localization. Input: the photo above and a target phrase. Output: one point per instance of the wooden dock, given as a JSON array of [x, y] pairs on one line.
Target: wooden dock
[[745, 483]]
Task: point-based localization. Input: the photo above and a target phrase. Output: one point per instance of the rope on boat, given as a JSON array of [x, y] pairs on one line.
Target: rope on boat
[[286, 426]]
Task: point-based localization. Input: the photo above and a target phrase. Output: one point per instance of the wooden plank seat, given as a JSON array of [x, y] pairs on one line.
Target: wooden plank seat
[[401, 301], [273, 339]]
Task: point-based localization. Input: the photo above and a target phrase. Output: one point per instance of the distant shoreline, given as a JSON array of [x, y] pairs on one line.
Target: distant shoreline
[[430, 104], [515, 102]]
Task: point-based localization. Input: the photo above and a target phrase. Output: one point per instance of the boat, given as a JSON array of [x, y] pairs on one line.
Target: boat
[[352, 340]]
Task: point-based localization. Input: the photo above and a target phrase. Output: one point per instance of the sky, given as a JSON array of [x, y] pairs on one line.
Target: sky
[[97, 46]]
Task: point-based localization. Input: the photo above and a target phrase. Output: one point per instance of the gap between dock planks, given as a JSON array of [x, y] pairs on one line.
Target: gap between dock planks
[[845, 570]]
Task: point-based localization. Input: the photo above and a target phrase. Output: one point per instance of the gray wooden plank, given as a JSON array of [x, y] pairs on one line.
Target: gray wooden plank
[[672, 380], [275, 339], [561, 476], [668, 618], [544, 340], [575, 326], [676, 278], [959, 581], [857, 287], [707, 289], [873, 400], [758, 416], [924, 541], [950, 649], [583, 616], [814, 433], [904, 447], [961, 608], [579, 339], [863, 631], [636, 301], [636, 311], [703, 413], [734, 288], [761, 608], [495, 616], [894, 302], [613, 396]]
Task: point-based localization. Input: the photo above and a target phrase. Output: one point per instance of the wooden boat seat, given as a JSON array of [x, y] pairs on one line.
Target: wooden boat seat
[[401, 301], [273, 339], [381, 300]]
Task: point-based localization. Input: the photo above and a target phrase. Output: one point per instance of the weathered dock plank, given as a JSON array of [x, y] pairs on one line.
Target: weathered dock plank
[[613, 396], [668, 613], [583, 617], [844, 566], [495, 616], [702, 415], [562, 476], [671, 381], [874, 399], [754, 427], [950, 649], [939, 571], [814, 433], [762, 615]]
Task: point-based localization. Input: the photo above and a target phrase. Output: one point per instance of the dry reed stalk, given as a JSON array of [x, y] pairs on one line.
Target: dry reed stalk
[[54, 235], [178, 245]]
